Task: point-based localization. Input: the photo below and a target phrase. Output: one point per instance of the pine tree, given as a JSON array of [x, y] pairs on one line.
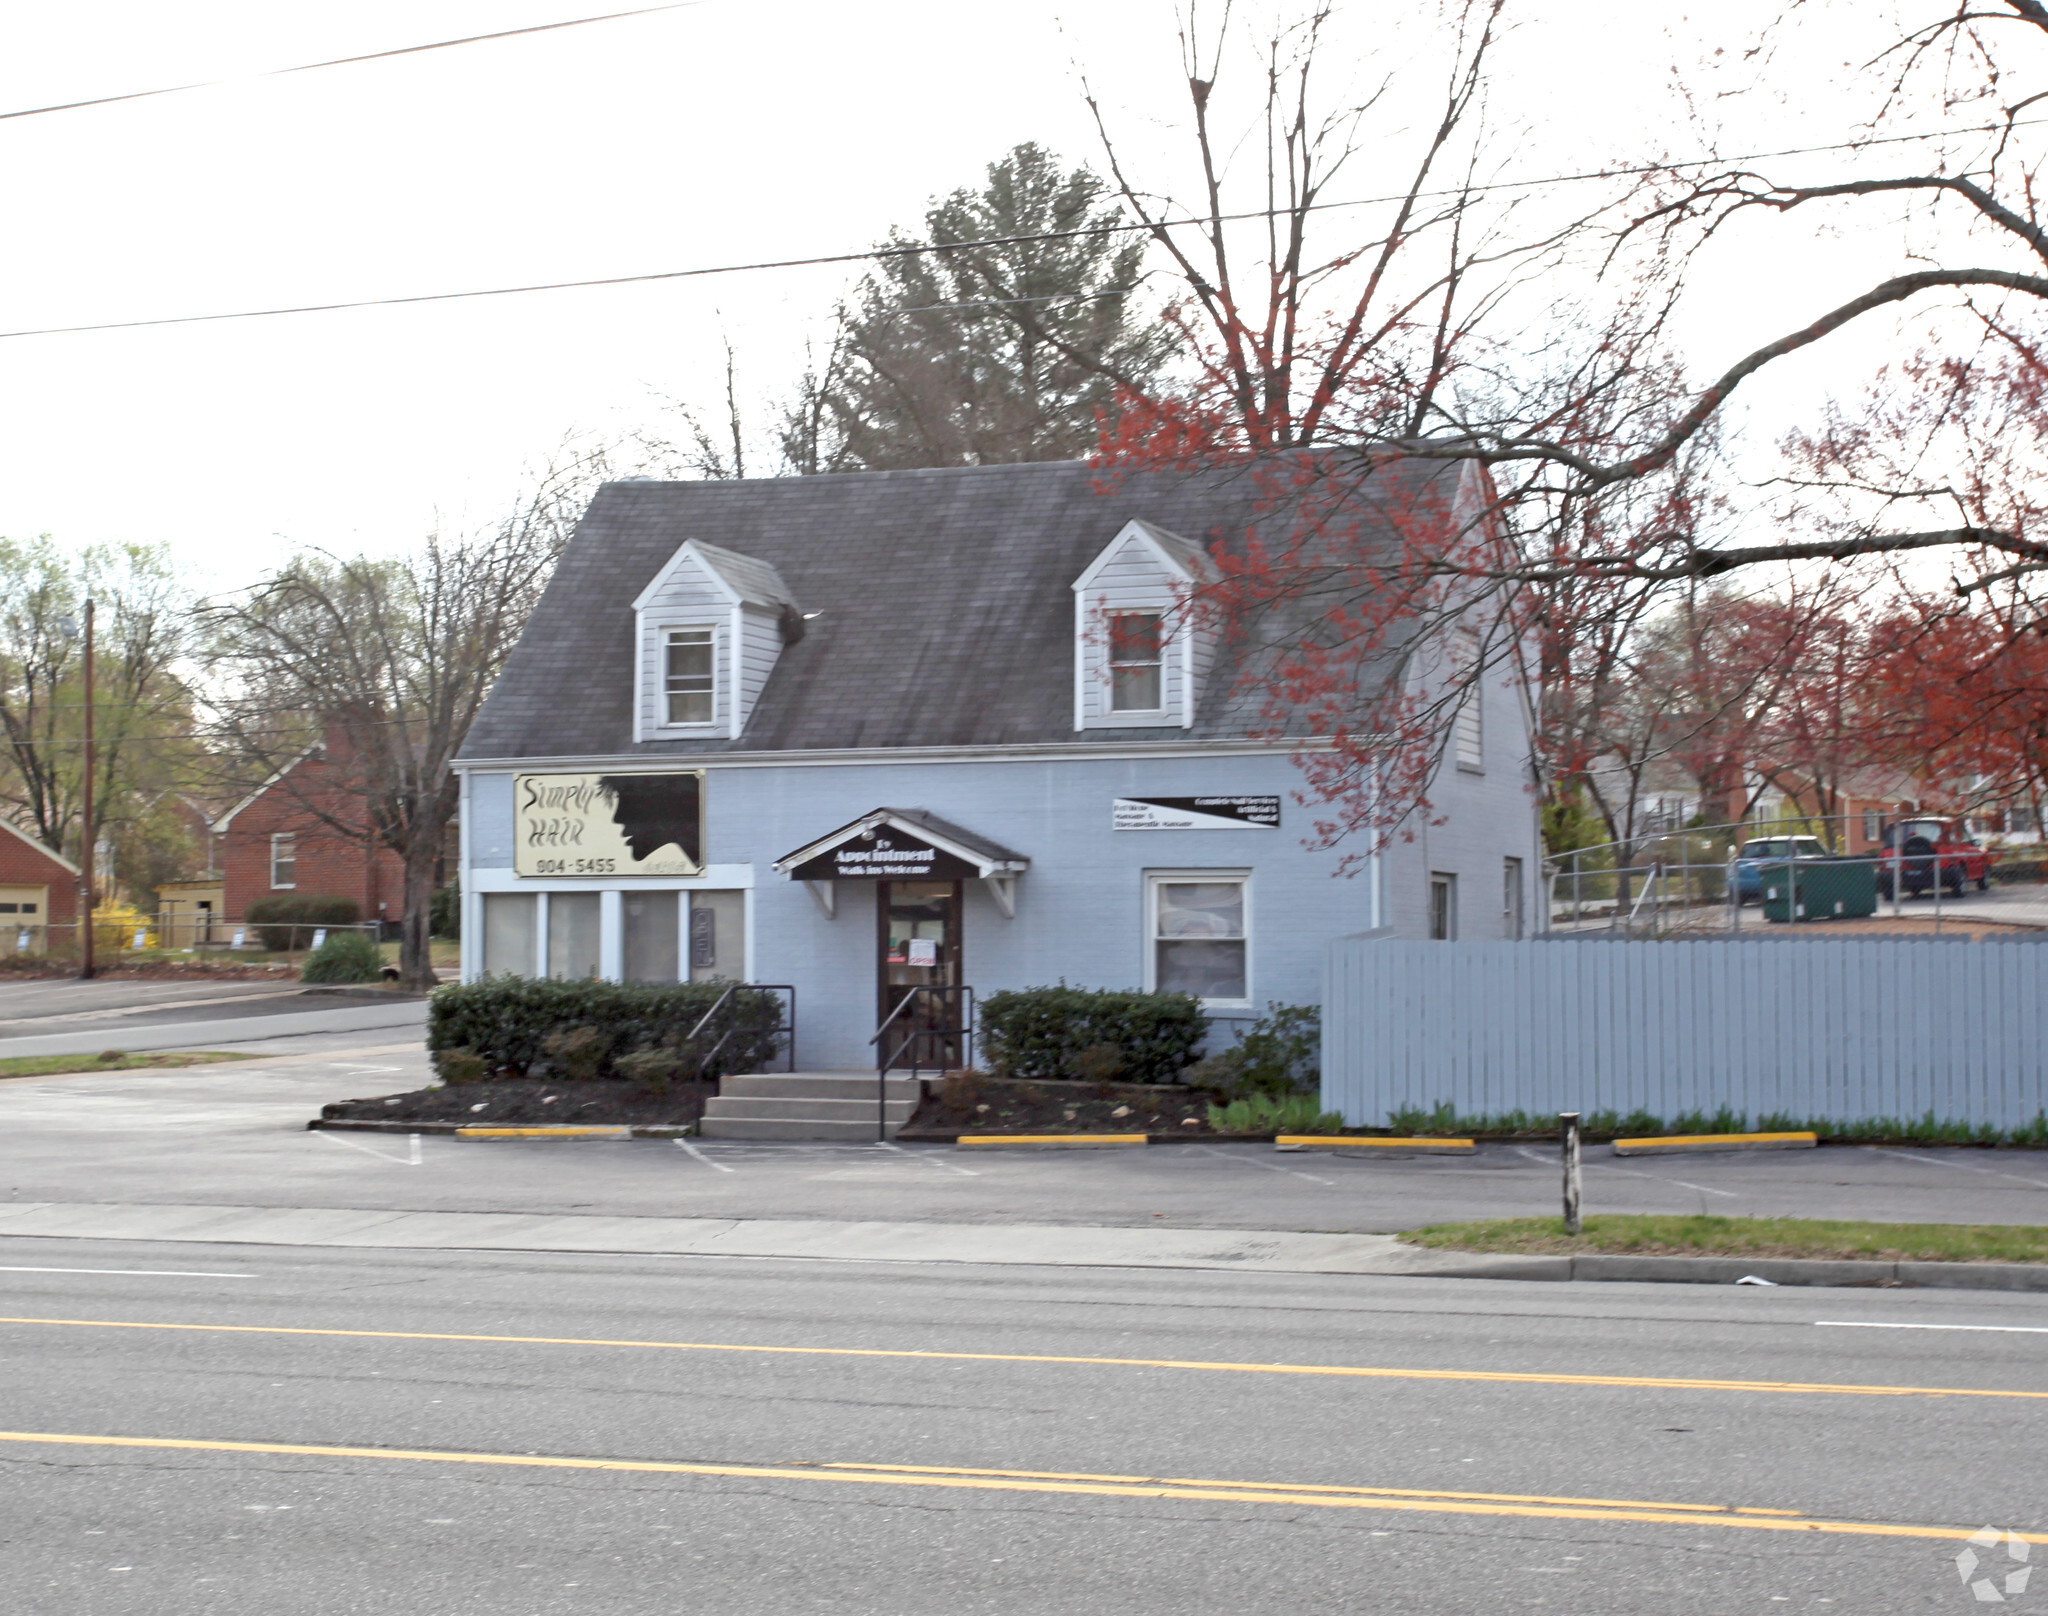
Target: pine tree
[[985, 355]]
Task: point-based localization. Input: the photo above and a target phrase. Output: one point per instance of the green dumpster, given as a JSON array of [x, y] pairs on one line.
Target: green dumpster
[[1823, 889]]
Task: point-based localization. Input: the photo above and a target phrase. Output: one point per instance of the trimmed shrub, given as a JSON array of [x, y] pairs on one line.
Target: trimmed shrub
[[516, 1024], [1281, 1055], [1059, 1031], [287, 922], [346, 956]]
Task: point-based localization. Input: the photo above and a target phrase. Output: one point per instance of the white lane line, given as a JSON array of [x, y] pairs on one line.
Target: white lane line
[[1271, 1167], [926, 1158], [130, 1273], [695, 1154], [396, 1161], [1631, 1172], [1968, 1167], [1998, 1329]]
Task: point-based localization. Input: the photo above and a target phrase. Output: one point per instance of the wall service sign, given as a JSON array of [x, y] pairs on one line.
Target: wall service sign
[[609, 824], [1197, 813]]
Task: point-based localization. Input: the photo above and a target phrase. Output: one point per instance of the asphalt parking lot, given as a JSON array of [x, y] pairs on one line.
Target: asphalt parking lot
[[236, 1133]]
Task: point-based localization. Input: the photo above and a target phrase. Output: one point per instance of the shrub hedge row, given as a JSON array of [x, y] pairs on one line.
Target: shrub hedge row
[[502, 1024], [287, 922], [1055, 1032]]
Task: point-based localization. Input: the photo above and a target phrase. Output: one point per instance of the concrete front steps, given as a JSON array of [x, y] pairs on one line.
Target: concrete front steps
[[806, 1105]]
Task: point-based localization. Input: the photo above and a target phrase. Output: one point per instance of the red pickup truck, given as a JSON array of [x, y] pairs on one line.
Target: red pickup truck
[[1919, 848]]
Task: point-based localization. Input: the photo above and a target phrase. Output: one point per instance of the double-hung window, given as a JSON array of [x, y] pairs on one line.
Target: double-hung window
[[1198, 942], [1136, 671], [689, 678], [284, 861]]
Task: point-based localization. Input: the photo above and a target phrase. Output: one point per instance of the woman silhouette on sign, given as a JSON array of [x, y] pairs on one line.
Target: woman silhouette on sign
[[654, 811]]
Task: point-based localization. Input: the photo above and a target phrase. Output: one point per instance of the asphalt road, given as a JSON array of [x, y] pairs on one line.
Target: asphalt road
[[64, 1016], [1007, 1441]]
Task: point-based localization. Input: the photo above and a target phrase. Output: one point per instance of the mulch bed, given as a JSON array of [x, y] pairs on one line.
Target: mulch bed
[[530, 1102], [1005, 1105]]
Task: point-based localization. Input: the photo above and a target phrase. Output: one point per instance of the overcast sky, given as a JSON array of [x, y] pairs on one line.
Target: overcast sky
[[718, 134]]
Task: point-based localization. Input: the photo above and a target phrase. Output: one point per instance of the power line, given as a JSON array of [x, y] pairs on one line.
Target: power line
[[916, 249], [343, 61]]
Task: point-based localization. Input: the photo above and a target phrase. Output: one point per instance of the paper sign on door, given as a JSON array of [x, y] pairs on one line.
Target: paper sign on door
[[924, 951]]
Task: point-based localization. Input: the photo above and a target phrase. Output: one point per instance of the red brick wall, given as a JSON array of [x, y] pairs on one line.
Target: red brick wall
[[24, 863], [328, 864]]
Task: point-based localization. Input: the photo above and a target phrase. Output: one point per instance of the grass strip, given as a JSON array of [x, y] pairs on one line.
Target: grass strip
[[111, 1060], [1643, 1236]]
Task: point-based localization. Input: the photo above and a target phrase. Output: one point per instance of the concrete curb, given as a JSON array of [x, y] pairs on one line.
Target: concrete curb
[[1702, 1143], [497, 1130], [1728, 1270], [1050, 1141]]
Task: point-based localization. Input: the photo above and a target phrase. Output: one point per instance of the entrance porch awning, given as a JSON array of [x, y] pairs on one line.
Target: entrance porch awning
[[903, 844]]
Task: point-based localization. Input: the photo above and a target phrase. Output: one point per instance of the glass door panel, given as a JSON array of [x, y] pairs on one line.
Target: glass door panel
[[919, 946]]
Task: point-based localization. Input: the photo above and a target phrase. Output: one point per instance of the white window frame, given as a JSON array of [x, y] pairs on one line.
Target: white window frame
[[290, 841], [1110, 662], [1154, 880], [668, 636], [1513, 905]]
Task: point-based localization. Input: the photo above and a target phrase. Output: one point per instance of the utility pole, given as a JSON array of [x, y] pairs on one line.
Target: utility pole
[[86, 884], [85, 969]]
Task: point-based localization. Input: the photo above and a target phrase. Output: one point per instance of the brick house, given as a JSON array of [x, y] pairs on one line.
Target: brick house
[[37, 890], [282, 840]]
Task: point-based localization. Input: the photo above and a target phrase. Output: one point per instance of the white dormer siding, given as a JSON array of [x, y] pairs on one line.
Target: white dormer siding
[[1143, 572], [738, 602]]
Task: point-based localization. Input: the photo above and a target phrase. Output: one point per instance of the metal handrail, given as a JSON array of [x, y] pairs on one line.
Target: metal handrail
[[886, 1059], [725, 1037]]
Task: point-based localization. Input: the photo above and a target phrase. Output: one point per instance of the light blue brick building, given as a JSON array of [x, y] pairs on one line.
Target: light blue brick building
[[950, 727]]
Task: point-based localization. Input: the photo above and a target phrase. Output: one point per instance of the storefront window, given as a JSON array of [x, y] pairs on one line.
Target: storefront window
[[652, 927], [1198, 937], [509, 941], [573, 934]]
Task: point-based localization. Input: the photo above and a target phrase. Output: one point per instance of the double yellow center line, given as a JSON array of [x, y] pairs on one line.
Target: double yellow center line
[[1497, 1376], [1287, 1495]]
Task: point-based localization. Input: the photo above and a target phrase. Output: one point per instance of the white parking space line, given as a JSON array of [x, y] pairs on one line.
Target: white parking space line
[[396, 1161], [129, 1273], [927, 1158], [1629, 1172], [1271, 1167], [695, 1154], [1968, 1167], [1996, 1329]]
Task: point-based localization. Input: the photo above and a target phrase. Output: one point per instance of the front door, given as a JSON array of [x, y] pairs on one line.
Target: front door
[[919, 946]]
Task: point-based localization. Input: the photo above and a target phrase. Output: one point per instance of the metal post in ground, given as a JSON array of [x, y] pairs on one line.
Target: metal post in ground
[[1570, 1152]]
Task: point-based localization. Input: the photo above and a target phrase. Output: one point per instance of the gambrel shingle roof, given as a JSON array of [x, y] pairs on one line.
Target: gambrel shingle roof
[[943, 602]]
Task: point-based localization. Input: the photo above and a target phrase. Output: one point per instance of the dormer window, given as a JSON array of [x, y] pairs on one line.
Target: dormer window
[[1136, 682], [712, 624], [690, 682], [1142, 642]]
